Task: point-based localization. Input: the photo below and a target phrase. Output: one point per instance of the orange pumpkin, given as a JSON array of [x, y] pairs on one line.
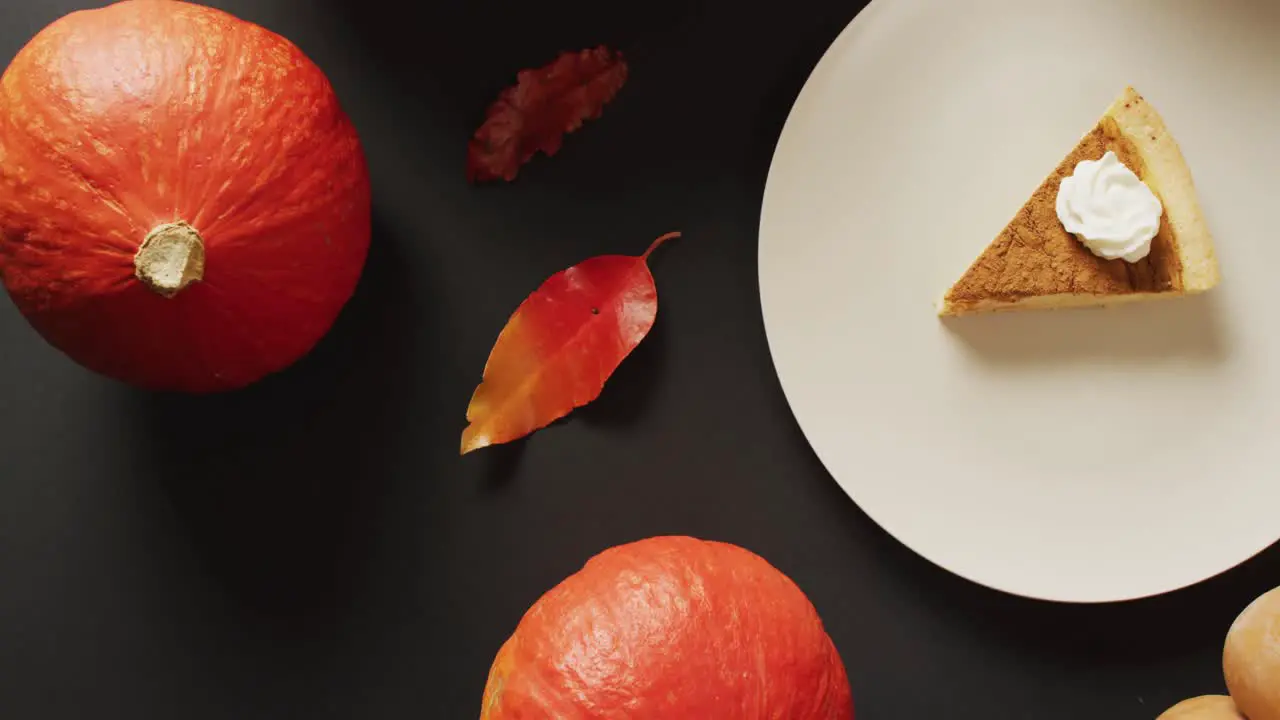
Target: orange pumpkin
[[666, 628], [183, 203]]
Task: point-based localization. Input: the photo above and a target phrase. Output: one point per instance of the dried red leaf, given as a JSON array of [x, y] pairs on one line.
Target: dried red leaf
[[561, 345], [543, 105]]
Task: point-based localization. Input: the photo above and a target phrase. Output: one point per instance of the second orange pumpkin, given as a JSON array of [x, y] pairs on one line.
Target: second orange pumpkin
[[667, 628]]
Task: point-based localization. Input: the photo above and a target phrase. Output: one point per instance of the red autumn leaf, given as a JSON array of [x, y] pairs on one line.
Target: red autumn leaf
[[561, 345], [543, 105]]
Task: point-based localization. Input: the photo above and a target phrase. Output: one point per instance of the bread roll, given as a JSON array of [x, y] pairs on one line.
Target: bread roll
[[1205, 707], [1251, 658]]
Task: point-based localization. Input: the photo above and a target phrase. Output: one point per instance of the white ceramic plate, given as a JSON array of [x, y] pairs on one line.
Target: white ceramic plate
[[1082, 455]]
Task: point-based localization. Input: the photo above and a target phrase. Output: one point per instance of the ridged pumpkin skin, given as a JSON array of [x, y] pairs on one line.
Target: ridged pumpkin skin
[[158, 114], [670, 628]]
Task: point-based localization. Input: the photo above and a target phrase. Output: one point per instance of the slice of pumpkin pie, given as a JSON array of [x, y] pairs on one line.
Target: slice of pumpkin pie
[[1117, 221]]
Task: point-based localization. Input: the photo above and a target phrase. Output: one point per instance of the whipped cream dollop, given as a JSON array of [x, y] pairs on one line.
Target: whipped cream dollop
[[1109, 209]]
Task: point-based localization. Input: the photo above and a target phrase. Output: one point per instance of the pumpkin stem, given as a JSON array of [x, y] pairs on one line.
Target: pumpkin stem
[[170, 258]]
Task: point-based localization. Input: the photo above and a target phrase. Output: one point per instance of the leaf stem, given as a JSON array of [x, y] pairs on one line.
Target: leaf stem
[[654, 245]]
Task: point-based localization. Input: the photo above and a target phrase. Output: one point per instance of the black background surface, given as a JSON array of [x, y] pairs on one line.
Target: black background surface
[[313, 547]]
